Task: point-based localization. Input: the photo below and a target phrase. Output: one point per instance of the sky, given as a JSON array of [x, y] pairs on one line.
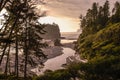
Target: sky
[[66, 13]]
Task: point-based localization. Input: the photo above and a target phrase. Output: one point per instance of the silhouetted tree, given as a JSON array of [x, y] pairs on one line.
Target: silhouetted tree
[[96, 18], [95, 13], [116, 13], [106, 13], [22, 29]]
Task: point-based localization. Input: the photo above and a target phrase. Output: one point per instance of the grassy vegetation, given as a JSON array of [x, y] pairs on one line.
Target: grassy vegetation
[[104, 42], [99, 43], [13, 77], [102, 50]]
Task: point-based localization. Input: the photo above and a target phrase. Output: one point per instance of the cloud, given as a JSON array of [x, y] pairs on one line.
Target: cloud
[[71, 9]]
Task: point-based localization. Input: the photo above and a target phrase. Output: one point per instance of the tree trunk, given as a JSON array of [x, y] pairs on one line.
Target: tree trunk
[[9, 37], [16, 56], [7, 62], [26, 51]]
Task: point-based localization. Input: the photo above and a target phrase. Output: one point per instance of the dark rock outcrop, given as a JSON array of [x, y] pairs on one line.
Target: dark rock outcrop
[[52, 32]]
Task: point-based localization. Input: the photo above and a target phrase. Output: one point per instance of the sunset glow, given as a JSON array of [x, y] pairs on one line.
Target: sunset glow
[[66, 13], [65, 24]]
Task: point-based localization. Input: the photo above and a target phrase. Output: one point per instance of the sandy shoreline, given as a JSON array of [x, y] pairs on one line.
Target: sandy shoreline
[[52, 52], [69, 45]]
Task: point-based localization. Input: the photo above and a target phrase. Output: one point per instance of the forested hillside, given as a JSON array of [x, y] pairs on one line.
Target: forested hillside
[[100, 35], [100, 42]]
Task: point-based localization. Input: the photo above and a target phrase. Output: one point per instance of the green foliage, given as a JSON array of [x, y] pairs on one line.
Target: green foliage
[[95, 18], [57, 42], [100, 44], [22, 31], [116, 13], [98, 68], [12, 77], [56, 75], [98, 17], [104, 68], [105, 41]]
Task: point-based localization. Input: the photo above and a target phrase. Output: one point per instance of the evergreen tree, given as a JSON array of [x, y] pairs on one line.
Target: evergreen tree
[[106, 13], [116, 13], [96, 18], [95, 13], [22, 29], [100, 16]]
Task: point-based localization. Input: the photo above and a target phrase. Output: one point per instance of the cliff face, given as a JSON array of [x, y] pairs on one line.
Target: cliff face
[[52, 32]]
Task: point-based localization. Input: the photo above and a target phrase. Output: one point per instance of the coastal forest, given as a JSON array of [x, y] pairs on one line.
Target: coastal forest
[[98, 45]]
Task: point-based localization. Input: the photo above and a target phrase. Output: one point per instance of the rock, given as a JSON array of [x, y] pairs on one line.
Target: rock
[[52, 32]]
